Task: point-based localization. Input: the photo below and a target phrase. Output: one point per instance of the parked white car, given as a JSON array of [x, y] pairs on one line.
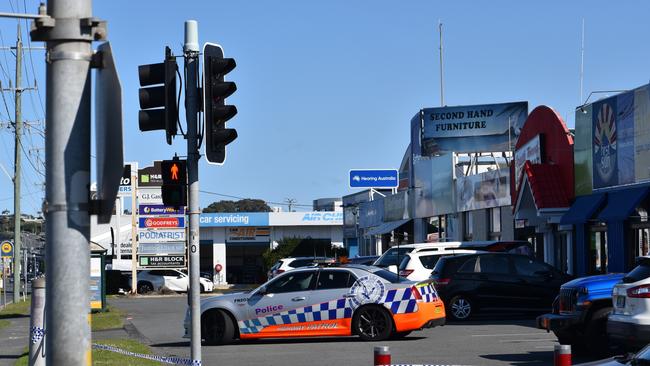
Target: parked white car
[[155, 279], [629, 322], [392, 258], [287, 264], [417, 265]]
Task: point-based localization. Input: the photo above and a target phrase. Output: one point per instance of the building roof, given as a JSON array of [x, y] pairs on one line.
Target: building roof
[[545, 181]]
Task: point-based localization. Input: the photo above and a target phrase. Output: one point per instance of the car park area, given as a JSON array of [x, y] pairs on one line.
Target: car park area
[[485, 340]]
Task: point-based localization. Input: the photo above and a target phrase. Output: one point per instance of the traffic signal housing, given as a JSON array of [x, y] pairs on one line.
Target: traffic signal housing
[[217, 112], [158, 100], [174, 187]]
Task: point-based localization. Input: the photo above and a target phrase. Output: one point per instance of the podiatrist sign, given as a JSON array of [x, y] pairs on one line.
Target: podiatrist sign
[[374, 178]]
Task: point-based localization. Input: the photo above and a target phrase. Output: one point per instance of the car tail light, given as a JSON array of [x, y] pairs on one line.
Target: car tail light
[[416, 293], [642, 291], [405, 272], [443, 281]]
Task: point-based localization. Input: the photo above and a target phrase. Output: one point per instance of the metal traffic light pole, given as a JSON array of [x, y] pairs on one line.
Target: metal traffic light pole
[[192, 104]]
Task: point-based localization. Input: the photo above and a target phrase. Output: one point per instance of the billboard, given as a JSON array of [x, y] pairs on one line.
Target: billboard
[[161, 248], [234, 219], [371, 213], [374, 178], [475, 128], [162, 222], [612, 144], [530, 151], [433, 186], [485, 190], [396, 207], [160, 235]]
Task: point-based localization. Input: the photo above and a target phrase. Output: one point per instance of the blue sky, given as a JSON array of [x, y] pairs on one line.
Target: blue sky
[[327, 86]]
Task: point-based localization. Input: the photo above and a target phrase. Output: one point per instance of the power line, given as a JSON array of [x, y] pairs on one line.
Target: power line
[[243, 198]]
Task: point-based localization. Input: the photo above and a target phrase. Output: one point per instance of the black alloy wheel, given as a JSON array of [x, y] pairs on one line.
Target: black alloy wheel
[[460, 308], [372, 323], [217, 328], [144, 287]]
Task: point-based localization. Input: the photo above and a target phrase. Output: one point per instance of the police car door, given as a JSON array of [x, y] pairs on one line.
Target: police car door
[[287, 292], [331, 311]]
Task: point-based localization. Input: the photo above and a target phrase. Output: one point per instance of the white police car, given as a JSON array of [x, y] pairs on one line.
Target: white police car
[[370, 302]]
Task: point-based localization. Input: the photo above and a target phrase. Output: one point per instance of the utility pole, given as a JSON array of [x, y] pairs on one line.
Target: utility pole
[[69, 28], [18, 126], [192, 104], [442, 83], [290, 202]]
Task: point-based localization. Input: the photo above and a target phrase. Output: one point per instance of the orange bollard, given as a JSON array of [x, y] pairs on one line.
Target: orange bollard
[[382, 356], [562, 355]]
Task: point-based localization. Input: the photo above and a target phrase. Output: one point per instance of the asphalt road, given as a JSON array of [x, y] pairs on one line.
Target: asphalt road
[[489, 340]]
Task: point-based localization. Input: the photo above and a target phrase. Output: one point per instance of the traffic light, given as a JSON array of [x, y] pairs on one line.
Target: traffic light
[[174, 187], [215, 92], [159, 102]]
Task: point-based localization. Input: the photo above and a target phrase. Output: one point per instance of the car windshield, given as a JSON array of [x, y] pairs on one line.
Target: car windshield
[[392, 257]]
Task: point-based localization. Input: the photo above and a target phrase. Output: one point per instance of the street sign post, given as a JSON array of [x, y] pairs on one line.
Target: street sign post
[[374, 178], [108, 133]]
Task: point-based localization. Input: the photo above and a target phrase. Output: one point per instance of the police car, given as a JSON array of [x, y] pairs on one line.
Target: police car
[[333, 300]]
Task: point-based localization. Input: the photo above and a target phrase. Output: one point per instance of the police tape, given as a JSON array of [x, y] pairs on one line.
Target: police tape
[[163, 359]]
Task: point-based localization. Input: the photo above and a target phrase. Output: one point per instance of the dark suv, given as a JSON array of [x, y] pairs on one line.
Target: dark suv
[[495, 282]]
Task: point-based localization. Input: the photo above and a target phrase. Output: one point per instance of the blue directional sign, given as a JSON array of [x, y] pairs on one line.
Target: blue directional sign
[[374, 178]]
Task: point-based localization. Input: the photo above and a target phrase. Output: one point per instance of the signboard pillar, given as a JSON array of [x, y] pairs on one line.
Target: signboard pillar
[[134, 229]]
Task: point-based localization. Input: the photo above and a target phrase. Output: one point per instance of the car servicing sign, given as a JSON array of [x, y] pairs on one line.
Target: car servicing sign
[[155, 210], [374, 178], [161, 261], [161, 236], [161, 248], [162, 222]]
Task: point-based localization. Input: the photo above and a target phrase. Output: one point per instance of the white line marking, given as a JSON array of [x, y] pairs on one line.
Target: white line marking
[[506, 334], [525, 340]]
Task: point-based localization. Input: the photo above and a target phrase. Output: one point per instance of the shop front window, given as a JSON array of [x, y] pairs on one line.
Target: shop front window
[[598, 251], [561, 252]]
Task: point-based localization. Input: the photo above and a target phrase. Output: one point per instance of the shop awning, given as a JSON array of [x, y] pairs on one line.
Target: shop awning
[[386, 227], [621, 204], [583, 209]]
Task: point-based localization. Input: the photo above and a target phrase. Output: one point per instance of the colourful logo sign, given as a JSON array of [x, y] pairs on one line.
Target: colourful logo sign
[[162, 222], [160, 210], [605, 145], [7, 249]]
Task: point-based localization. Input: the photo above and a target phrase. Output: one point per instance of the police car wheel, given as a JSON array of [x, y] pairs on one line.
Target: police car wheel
[[372, 323], [460, 307], [217, 327]]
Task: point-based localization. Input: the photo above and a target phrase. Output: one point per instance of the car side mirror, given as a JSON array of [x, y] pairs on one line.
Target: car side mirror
[[392, 268]]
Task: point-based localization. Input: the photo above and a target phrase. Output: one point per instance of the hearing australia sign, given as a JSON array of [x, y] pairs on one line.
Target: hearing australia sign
[[488, 127]]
